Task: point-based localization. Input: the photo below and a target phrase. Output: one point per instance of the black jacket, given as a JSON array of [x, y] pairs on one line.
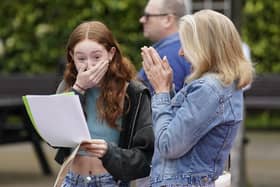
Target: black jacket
[[131, 159]]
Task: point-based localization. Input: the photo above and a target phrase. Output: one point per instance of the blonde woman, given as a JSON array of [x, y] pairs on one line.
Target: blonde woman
[[195, 130]]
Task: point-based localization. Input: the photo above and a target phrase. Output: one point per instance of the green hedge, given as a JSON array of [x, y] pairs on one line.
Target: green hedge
[[34, 32], [261, 30], [263, 119]]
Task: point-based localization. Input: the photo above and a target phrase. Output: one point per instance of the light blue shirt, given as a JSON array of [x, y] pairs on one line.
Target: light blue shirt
[[99, 129], [169, 47]]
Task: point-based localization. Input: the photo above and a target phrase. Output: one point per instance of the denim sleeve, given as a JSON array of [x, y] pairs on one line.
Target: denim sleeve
[[177, 131]]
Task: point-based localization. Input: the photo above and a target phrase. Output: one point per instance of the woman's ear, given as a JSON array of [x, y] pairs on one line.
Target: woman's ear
[[112, 53]]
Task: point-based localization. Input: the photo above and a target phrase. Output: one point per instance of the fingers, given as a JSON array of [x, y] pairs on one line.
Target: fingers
[[97, 147], [151, 57], [146, 56], [158, 70], [98, 67], [154, 55], [98, 71], [145, 64], [82, 68], [94, 74], [93, 146], [165, 64], [94, 141]]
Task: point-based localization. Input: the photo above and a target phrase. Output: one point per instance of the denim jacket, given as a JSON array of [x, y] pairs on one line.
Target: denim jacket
[[194, 132]]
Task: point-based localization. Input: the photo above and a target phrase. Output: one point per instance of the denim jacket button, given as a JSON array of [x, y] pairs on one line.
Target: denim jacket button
[[204, 179]]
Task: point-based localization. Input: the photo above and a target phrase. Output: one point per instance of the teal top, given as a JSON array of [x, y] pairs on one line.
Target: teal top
[[99, 129]]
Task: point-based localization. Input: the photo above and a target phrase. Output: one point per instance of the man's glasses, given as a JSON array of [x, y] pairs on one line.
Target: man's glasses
[[148, 15]]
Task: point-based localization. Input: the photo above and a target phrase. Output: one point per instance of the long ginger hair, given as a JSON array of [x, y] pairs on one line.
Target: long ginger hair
[[119, 72]]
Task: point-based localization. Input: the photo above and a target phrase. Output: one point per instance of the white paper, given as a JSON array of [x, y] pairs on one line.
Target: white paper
[[59, 119]]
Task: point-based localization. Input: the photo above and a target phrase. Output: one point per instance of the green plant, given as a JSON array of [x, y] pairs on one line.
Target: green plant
[[263, 119], [261, 31], [34, 33]]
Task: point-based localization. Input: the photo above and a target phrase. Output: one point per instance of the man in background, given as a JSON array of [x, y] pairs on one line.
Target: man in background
[[160, 25]]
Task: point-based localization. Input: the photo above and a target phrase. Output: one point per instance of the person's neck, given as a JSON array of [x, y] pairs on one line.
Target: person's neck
[[169, 32]]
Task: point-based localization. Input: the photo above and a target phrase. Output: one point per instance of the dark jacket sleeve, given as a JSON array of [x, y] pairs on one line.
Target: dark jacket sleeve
[[134, 162]]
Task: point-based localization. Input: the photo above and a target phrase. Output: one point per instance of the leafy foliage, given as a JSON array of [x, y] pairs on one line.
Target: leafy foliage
[[261, 30], [34, 33]]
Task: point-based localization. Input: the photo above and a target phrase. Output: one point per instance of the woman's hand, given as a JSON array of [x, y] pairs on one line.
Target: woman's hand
[[157, 70], [96, 147], [90, 77]]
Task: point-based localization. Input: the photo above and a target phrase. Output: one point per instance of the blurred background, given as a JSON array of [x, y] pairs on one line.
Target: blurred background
[[33, 36]]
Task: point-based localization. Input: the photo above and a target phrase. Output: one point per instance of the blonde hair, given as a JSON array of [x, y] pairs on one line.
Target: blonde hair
[[212, 44]]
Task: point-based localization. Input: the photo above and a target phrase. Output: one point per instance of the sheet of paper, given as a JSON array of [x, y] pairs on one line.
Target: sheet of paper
[[59, 119]]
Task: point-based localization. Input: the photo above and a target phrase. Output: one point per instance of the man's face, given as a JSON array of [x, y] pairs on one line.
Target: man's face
[[152, 21]]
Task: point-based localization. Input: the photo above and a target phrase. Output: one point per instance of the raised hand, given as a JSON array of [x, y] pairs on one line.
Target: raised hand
[[157, 70], [90, 77]]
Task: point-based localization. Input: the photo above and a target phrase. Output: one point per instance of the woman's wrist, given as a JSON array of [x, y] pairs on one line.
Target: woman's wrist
[[79, 88], [162, 90]]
